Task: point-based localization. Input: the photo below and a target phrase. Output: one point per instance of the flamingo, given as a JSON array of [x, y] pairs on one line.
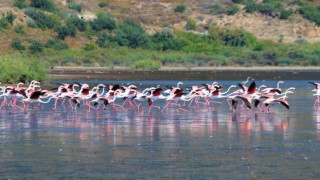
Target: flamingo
[[154, 95], [317, 89], [105, 101], [273, 90]]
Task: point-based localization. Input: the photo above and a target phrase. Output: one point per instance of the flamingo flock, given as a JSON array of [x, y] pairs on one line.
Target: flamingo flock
[[244, 95]]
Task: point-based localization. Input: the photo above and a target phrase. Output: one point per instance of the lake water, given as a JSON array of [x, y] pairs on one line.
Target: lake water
[[202, 143]]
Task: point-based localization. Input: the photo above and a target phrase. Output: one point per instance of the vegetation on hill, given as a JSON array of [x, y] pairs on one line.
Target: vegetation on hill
[[107, 41]]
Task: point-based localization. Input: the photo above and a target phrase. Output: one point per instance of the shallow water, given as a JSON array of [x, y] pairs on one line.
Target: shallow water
[[203, 143]]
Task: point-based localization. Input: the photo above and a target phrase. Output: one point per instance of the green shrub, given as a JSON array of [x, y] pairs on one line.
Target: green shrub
[[232, 10], [131, 34], [230, 37], [165, 41], [180, 8], [250, 6], [17, 44], [20, 4], [4, 24], [42, 19], [75, 6], [20, 69], [19, 29], [104, 40], [191, 24], [90, 47], [217, 9], [36, 47], [238, 1], [45, 5], [269, 9], [64, 31], [10, 17], [102, 22], [147, 64], [31, 23], [56, 44], [77, 22], [310, 13], [103, 4], [284, 14]]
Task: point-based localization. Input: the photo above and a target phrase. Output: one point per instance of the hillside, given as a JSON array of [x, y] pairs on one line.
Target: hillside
[[155, 15]]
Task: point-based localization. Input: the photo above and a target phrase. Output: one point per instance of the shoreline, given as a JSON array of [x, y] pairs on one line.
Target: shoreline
[[181, 73]]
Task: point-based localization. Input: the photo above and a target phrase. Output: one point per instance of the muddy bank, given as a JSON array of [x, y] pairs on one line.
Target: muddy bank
[[83, 73]]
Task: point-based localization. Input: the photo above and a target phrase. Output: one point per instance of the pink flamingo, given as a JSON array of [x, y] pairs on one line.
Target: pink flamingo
[[317, 89]]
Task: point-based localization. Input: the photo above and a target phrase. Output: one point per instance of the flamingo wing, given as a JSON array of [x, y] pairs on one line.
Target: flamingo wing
[[35, 94], [284, 103], [317, 85], [256, 103], [246, 101], [252, 88]]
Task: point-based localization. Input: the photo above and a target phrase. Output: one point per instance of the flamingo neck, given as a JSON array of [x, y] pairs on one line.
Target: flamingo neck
[[227, 90]]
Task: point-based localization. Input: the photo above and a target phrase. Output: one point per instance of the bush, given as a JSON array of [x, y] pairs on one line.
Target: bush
[[45, 5], [104, 40], [180, 8], [217, 9], [17, 44], [284, 14], [31, 23], [90, 47], [147, 64], [238, 1], [232, 10], [64, 31], [75, 6], [231, 37], [4, 24], [42, 19], [56, 44], [20, 4], [102, 22], [250, 6], [310, 13], [10, 17], [191, 24], [103, 4], [19, 29], [20, 69], [131, 34], [77, 22], [269, 9], [36, 47], [165, 41]]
